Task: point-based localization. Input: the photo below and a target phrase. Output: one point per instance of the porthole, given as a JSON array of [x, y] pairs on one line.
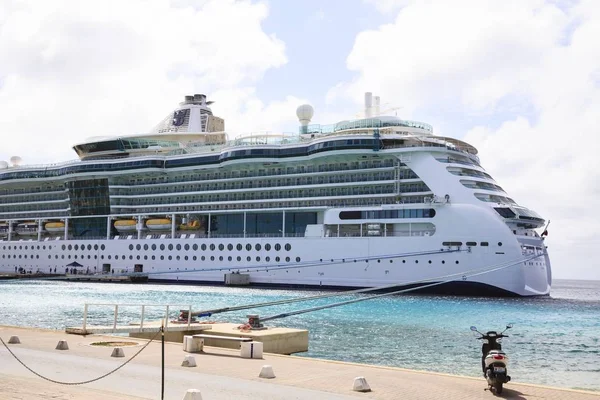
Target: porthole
[[202, 258], [416, 261], [239, 247], [257, 247], [429, 261], [194, 247], [403, 261], [257, 259], [203, 247], [170, 247], [153, 247], [130, 247], [220, 258], [170, 257], [138, 257], [154, 257], [102, 247], [76, 247], [123, 257], [185, 258], [297, 259], [239, 258], [378, 261], [109, 257], [456, 261], [146, 247], [230, 247], [267, 259], [287, 259], [212, 258], [162, 257], [89, 247], [248, 258], [145, 257], [221, 247], [178, 247], [95, 247], [162, 246], [138, 247], [194, 258], [70, 247], [267, 247], [248, 247], [288, 246], [443, 262], [177, 258], [277, 247], [212, 246], [229, 258], [277, 259], [186, 247], [499, 243]]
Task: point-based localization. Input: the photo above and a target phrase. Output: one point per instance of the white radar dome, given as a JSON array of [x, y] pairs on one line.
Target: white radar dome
[[305, 113], [15, 160], [3, 165]]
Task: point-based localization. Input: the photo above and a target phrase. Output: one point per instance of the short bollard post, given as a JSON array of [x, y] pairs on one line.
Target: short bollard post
[[266, 372], [62, 345], [14, 340], [118, 352], [361, 385], [192, 394], [189, 361]]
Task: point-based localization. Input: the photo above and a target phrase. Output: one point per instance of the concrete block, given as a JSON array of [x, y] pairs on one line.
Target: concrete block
[[62, 345], [361, 385], [14, 340], [118, 352], [251, 350], [192, 394], [266, 372], [192, 344], [189, 361]]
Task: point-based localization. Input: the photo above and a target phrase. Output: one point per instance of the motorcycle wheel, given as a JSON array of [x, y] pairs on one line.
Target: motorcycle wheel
[[498, 387]]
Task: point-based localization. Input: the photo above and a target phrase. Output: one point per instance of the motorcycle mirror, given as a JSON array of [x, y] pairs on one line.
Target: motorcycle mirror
[[474, 329], [509, 326]]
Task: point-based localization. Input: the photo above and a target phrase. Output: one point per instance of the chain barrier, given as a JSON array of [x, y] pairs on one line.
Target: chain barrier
[[82, 382]]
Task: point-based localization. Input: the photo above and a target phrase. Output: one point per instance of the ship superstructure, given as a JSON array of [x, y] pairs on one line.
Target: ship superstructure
[[365, 202]]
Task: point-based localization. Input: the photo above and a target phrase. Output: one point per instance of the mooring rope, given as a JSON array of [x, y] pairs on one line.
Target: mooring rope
[[466, 274], [82, 382]]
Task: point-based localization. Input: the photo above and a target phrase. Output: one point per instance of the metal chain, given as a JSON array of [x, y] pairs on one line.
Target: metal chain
[[82, 382]]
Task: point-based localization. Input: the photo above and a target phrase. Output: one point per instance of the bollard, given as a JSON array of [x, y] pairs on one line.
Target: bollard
[[62, 345], [361, 385], [192, 394], [118, 352], [266, 372], [189, 361], [14, 340]]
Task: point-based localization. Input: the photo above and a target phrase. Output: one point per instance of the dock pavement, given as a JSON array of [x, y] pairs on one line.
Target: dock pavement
[[220, 374]]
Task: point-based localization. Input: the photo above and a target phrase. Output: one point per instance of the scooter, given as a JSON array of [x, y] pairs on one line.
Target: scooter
[[494, 361]]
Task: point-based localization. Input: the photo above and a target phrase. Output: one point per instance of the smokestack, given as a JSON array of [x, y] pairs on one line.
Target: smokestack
[[368, 104], [377, 110]]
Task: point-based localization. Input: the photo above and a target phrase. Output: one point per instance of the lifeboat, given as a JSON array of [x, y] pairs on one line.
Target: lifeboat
[[159, 224], [126, 225], [27, 228], [3, 229], [190, 226], [56, 226]]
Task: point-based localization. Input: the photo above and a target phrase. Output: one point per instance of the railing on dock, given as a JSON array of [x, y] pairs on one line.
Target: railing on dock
[[143, 308]]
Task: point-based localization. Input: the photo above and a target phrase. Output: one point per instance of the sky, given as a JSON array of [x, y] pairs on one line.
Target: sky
[[520, 80]]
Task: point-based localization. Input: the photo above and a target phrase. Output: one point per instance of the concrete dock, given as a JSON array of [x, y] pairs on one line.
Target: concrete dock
[[221, 374]]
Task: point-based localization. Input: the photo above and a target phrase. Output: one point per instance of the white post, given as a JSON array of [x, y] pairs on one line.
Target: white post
[[167, 318], [361, 233], [10, 226], [115, 321], [66, 237], [108, 221], [172, 226], [142, 319], [85, 312], [39, 233]]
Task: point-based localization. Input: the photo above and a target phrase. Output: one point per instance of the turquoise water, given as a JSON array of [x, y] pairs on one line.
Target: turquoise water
[[555, 340]]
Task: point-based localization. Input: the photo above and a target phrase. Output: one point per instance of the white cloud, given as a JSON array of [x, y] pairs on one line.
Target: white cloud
[[74, 69], [532, 69]]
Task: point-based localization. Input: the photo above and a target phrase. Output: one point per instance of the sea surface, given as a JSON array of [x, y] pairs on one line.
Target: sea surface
[[555, 340]]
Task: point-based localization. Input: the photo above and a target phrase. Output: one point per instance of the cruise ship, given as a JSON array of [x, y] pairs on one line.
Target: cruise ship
[[369, 202]]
